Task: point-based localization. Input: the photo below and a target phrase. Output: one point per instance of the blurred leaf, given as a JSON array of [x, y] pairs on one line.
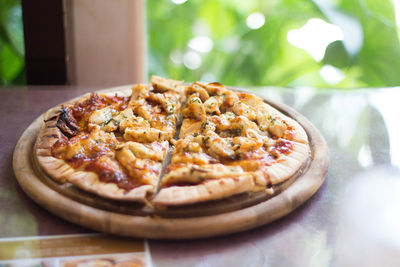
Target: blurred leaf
[[11, 24], [219, 18], [379, 57], [336, 55], [10, 64], [247, 57]]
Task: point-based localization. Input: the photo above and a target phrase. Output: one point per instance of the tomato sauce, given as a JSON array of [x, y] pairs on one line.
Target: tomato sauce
[[109, 174], [282, 146]]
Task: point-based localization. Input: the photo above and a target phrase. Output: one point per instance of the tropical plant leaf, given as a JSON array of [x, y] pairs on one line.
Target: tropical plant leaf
[[263, 56], [12, 51], [10, 65]]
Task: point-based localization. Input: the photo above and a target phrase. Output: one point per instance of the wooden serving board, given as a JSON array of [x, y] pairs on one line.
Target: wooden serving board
[[238, 213]]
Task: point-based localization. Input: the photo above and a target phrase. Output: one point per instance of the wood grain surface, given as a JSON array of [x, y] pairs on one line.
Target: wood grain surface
[[221, 217]]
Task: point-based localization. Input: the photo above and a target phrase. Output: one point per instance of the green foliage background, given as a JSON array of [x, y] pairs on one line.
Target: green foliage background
[[242, 56], [264, 56], [12, 62]]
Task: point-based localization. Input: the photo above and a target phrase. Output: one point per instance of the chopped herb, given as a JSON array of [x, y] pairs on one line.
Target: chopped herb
[[107, 122], [196, 99], [231, 132], [171, 110], [204, 125]]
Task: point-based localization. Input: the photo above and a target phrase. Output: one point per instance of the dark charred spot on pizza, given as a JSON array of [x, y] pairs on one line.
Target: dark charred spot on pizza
[[67, 123], [52, 118], [183, 183], [157, 89], [52, 136]]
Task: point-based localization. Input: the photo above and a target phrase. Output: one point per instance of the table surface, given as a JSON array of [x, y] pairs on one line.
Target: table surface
[[353, 218]]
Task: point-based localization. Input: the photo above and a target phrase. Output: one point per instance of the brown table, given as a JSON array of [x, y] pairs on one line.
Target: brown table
[[350, 219]]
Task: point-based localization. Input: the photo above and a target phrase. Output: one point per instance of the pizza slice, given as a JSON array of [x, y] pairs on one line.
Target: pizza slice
[[112, 145], [230, 143]]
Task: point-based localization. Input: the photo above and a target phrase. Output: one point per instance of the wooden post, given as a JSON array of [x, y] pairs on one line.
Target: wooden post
[[44, 42], [105, 42]]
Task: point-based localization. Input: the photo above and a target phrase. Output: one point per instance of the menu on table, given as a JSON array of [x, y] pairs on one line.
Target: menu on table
[[94, 250]]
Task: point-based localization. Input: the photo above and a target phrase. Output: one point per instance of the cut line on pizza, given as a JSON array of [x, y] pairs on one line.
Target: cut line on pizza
[[220, 143]]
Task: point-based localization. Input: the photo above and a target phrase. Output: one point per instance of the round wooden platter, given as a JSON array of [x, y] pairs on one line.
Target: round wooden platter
[[235, 214]]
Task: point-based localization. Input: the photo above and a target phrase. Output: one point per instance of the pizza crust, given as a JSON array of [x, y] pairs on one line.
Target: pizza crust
[[287, 166], [209, 190], [47, 137]]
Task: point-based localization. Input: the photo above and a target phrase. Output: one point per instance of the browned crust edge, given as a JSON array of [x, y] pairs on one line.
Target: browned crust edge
[[62, 172]]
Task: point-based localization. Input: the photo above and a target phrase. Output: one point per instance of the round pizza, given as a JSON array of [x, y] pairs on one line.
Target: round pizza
[[170, 144]]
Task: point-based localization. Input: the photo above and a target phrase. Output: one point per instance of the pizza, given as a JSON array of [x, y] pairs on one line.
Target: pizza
[[169, 143]]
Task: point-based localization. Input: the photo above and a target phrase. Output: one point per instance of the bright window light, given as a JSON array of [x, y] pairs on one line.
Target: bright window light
[[396, 4], [255, 20], [315, 36], [202, 44], [178, 2], [176, 57], [192, 60], [331, 75], [364, 156]]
